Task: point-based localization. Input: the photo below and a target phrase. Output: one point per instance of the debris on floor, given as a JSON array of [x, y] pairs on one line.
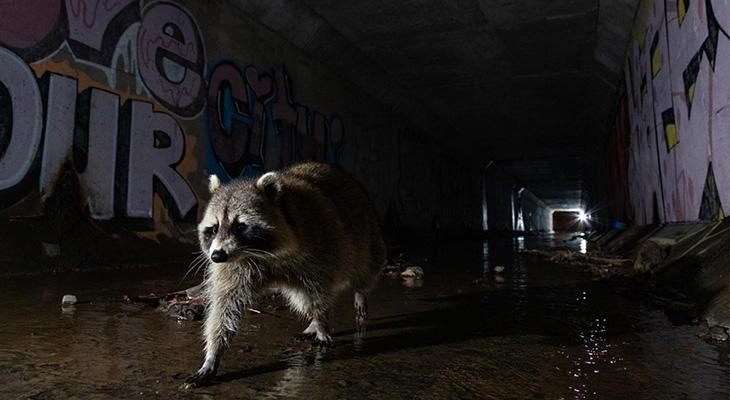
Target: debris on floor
[[68, 300], [412, 272], [601, 265], [185, 304]]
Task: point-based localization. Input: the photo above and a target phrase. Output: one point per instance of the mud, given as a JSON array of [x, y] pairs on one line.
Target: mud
[[533, 331]]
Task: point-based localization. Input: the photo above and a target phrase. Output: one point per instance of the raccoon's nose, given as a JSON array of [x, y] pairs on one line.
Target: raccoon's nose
[[219, 256]]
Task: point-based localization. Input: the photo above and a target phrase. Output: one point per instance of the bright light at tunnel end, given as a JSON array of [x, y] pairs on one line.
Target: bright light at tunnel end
[[582, 216]]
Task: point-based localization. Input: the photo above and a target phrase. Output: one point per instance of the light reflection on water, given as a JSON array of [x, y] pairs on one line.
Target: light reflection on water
[[468, 331]]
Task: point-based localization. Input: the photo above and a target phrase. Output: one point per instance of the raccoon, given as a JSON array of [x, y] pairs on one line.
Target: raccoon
[[308, 232]]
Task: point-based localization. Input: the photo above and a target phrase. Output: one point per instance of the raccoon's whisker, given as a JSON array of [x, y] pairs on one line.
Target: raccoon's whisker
[[203, 263], [192, 265], [195, 264], [258, 252]]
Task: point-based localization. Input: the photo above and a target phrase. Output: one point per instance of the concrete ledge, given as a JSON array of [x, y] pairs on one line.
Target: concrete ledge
[[692, 278], [34, 246]]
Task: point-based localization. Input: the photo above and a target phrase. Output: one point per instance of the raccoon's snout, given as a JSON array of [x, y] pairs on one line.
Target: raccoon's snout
[[219, 256]]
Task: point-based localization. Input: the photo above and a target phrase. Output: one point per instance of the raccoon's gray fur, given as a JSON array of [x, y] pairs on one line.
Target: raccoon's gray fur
[[308, 232]]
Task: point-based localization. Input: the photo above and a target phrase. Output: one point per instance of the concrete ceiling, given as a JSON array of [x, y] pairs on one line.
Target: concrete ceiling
[[495, 79]]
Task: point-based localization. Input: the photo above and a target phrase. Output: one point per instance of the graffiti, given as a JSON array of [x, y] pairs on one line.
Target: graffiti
[[94, 27], [116, 94], [21, 138], [680, 111], [152, 147], [171, 58], [88, 108], [250, 108]]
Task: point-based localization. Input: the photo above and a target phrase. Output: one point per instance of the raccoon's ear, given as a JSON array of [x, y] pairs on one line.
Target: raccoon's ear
[[270, 184], [213, 183]]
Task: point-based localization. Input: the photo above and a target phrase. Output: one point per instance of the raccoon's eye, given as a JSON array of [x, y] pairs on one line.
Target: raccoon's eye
[[240, 229], [210, 231]]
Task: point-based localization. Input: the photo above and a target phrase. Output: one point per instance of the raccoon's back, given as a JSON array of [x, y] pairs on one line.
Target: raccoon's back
[[328, 207]]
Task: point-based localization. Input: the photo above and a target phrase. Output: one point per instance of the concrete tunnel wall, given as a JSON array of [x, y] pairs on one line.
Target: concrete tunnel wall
[[510, 206], [133, 106], [669, 144]]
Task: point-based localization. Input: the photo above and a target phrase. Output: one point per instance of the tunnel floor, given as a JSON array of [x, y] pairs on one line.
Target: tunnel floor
[[535, 331]]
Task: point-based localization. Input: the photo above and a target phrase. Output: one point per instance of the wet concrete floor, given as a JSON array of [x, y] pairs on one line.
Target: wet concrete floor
[[534, 331]]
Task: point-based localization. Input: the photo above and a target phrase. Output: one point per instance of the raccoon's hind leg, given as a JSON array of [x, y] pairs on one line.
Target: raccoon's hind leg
[[318, 330], [361, 307], [315, 307]]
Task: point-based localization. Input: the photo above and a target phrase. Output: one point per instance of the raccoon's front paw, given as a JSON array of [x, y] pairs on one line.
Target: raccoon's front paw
[[305, 337], [200, 378], [323, 341]]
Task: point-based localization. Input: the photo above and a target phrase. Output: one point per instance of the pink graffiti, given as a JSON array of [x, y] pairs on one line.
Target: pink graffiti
[[81, 7], [168, 32], [89, 20]]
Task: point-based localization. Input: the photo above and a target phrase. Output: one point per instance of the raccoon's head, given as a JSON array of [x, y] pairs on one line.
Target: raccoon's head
[[243, 219]]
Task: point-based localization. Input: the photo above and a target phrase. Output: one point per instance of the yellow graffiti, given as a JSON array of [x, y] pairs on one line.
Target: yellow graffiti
[[64, 64], [670, 132], [691, 93], [682, 7], [656, 61], [641, 22], [707, 235]]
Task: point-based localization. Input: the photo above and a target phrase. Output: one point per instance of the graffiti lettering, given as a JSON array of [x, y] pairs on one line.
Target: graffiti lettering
[[21, 134], [82, 116], [94, 26], [153, 145], [89, 140], [111, 91], [171, 58], [247, 106]]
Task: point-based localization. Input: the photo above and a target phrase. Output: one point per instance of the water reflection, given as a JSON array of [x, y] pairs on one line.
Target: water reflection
[[519, 243], [530, 331], [485, 257]]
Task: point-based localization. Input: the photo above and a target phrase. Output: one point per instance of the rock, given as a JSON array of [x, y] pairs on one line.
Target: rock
[[69, 300], [718, 333], [412, 272], [412, 282], [650, 255], [51, 249], [499, 269]]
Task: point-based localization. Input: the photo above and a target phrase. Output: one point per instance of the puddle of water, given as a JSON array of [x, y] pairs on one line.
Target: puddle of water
[[533, 331]]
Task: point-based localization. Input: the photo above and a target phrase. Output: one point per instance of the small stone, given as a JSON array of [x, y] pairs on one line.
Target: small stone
[[412, 282], [69, 300], [718, 333], [499, 269], [51, 249], [412, 272]]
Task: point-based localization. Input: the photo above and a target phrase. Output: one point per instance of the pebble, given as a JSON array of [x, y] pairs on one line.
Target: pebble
[[718, 333], [69, 300], [412, 272]]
